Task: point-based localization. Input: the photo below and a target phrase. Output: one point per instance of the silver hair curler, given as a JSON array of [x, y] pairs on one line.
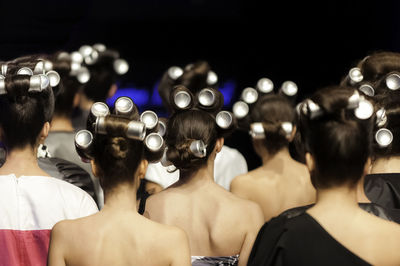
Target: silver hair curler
[[198, 148]]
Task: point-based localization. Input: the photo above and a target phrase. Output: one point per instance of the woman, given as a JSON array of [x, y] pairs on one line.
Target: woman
[[221, 226], [281, 182], [31, 201], [117, 235], [336, 128]]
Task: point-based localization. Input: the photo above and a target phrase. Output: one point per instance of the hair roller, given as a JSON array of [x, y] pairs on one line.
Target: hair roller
[[241, 112], [265, 85], [98, 109], [162, 126], [367, 89], [198, 149], [383, 137], [124, 106], [257, 130], [289, 89], [2, 85], [83, 145], [174, 72], [381, 117], [25, 71], [226, 123], [392, 81], [249, 95], [150, 119], [212, 78], [132, 129], [154, 147], [4, 69], [355, 76], [181, 98], [210, 99], [121, 66]]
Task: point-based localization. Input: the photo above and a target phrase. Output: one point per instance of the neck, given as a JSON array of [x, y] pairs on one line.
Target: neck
[[85, 103], [268, 159], [361, 196], [338, 198], [61, 123], [202, 176], [386, 165], [22, 162], [121, 197]]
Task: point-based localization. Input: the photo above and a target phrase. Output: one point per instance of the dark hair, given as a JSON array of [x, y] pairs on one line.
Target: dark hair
[[391, 104], [339, 142], [68, 87], [23, 113], [194, 78], [185, 127], [102, 76], [272, 110], [117, 157]]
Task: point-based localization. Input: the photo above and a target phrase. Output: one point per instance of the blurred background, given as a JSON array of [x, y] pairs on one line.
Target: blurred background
[[312, 44]]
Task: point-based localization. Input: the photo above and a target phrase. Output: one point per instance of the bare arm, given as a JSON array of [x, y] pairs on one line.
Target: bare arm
[[56, 249], [256, 220], [180, 251]]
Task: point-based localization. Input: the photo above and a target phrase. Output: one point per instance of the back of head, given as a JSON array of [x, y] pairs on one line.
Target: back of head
[[116, 156], [185, 127], [272, 110], [24, 106], [339, 142], [194, 77], [68, 87], [104, 66]]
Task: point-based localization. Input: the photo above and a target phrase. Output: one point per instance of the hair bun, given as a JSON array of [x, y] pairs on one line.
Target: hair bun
[[117, 147]]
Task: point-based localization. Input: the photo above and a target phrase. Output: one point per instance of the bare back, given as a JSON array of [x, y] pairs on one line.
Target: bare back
[[375, 240], [117, 238], [217, 222], [276, 188]]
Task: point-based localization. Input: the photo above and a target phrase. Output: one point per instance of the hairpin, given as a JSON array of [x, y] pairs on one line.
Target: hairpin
[[393, 81], [355, 75], [367, 89], [175, 72], [249, 95], [265, 85], [383, 137], [198, 148]]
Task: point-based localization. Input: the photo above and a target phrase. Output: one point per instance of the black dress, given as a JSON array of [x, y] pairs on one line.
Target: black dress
[[384, 189], [299, 240]]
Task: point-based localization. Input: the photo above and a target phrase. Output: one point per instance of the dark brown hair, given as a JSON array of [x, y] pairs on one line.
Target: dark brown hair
[[339, 142]]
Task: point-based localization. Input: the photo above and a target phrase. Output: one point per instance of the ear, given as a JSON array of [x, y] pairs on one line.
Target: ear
[[95, 169], [367, 166], [142, 169], [290, 139], [44, 132], [112, 91], [310, 162], [77, 100], [219, 144]]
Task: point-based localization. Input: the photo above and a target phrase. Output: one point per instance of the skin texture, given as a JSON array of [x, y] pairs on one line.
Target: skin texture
[[118, 235], [279, 184], [375, 240], [217, 222]]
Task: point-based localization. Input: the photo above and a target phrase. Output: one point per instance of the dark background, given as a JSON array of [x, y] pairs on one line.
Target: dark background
[[312, 44]]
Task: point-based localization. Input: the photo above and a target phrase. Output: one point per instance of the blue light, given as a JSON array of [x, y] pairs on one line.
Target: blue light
[[155, 97], [139, 96], [227, 89]]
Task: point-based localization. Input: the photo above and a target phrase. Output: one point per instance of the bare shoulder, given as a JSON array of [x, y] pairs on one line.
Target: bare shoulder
[[242, 183], [246, 209]]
